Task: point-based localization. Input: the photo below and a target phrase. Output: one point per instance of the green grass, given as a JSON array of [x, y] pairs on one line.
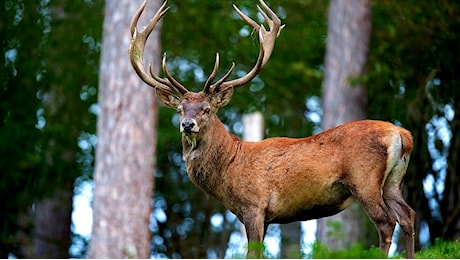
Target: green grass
[[321, 251], [439, 250]]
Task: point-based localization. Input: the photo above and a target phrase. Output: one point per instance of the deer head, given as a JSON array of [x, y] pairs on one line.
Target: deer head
[[196, 109]]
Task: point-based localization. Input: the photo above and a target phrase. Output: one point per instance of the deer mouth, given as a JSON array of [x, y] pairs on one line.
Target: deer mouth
[[189, 132]]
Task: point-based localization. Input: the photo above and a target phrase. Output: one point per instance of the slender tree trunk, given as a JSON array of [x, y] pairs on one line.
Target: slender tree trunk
[[344, 99], [253, 131], [126, 142], [290, 240], [52, 224], [48, 222]]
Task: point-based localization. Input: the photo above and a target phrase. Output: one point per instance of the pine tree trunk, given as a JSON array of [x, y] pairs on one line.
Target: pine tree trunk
[[126, 142], [344, 99]]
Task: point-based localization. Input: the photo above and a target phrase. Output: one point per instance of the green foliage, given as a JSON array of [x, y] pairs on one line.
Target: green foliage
[[48, 82], [410, 40], [335, 230], [413, 79], [441, 249], [19, 136], [321, 251], [255, 249]]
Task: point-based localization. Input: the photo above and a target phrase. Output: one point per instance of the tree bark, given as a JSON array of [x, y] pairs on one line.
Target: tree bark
[[344, 99], [126, 142]]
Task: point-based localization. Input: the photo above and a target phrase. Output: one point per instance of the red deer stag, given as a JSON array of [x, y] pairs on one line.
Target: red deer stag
[[282, 180]]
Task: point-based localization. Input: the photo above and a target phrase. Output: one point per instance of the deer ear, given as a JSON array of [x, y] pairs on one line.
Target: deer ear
[[221, 98], [168, 99]]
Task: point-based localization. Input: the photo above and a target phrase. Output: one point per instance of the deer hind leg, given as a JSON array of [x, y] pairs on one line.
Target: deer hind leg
[[369, 194], [382, 217], [404, 214]]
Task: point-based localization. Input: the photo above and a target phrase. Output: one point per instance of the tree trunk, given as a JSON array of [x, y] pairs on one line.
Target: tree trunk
[[126, 142], [290, 240], [47, 226], [344, 99], [52, 224]]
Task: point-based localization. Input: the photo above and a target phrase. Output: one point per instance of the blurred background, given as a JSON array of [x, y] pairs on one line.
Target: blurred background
[[49, 110]]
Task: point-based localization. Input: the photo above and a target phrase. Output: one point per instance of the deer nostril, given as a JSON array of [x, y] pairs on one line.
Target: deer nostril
[[188, 125]]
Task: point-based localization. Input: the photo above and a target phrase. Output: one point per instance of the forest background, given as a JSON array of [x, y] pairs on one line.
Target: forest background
[[49, 109]]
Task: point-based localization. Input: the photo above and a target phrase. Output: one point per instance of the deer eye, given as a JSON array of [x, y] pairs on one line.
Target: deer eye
[[179, 109], [207, 110]]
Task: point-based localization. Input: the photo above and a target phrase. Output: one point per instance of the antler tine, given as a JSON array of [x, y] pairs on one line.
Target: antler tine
[[246, 18], [271, 18], [266, 40], [172, 89], [149, 28], [212, 75], [216, 86], [156, 77], [136, 53], [179, 87]]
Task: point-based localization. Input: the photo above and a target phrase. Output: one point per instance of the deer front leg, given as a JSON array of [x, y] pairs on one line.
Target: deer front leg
[[255, 232]]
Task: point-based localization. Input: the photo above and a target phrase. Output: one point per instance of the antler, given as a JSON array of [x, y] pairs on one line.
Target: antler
[[171, 85], [136, 54], [267, 42]]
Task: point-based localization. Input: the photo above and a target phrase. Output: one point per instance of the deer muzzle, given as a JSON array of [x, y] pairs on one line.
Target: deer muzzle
[[189, 126]]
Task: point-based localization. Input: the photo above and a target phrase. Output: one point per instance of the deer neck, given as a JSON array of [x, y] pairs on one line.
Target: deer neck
[[209, 154]]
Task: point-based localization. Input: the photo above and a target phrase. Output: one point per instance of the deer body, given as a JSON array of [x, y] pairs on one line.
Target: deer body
[[281, 180], [296, 179]]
